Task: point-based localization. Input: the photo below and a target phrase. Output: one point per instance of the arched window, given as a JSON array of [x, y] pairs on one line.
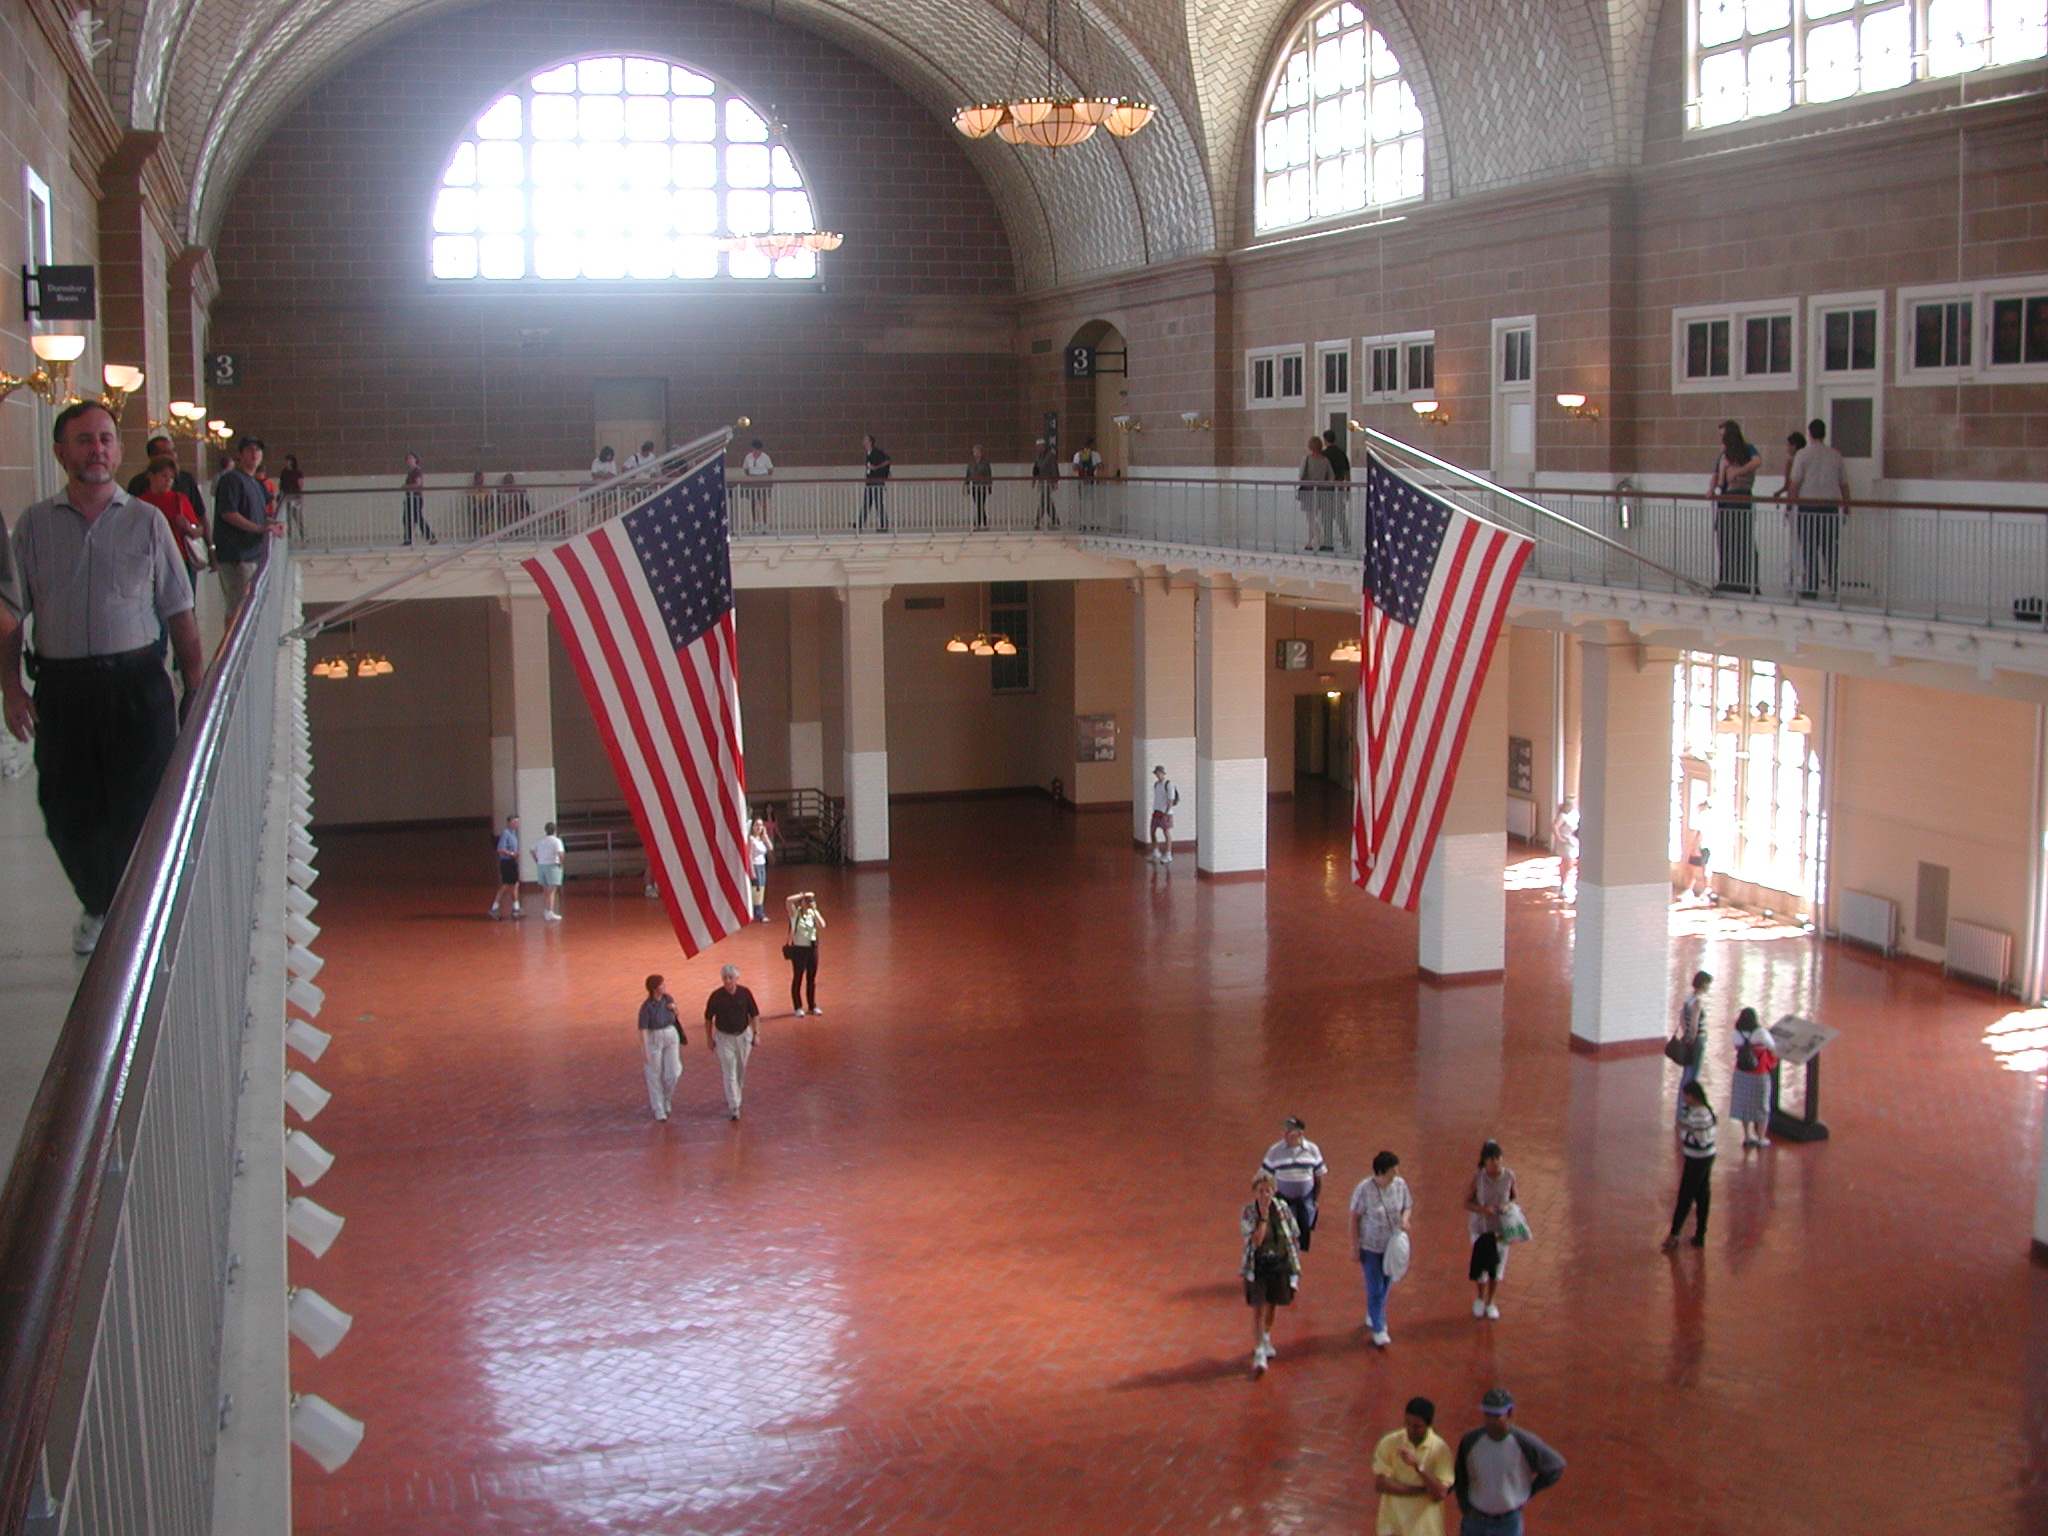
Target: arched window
[[1751, 58], [617, 168], [1341, 130]]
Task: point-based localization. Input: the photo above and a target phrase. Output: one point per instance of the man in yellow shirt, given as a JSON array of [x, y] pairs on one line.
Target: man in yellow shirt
[[1412, 1468]]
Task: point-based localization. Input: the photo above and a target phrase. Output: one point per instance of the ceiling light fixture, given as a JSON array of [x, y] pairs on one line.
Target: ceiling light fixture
[[1053, 120]]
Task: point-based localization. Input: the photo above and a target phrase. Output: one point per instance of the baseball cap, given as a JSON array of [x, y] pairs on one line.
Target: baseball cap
[[1496, 1402]]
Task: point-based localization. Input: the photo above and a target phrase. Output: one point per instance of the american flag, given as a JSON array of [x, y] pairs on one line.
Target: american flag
[[1437, 584], [644, 605]]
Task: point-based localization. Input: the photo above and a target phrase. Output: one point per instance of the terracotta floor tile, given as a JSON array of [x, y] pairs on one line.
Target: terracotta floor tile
[[969, 1262]]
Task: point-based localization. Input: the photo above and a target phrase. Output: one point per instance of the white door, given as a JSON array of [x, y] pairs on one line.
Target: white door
[[1855, 417], [1514, 401]]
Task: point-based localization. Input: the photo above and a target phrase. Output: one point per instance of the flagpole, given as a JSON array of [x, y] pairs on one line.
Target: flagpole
[[1580, 529], [669, 468]]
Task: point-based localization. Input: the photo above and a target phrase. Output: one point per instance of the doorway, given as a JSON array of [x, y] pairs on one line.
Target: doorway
[[629, 412], [1855, 417], [1323, 735], [1514, 401], [1093, 403]]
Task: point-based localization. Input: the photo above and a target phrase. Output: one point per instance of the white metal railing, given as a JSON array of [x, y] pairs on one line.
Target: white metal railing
[[1963, 564], [113, 1227]]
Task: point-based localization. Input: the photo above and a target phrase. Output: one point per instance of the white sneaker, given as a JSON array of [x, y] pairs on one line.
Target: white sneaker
[[817, 1013], [1763, 1141], [551, 917], [1267, 1346], [800, 1013], [1478, 1307], [515, 910], [1492, 1312], [495, 914], [86, 935], [1383, 1338], [1259, 1358], [1167, 859]]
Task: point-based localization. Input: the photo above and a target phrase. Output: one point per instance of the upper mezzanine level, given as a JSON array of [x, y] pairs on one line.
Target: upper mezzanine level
[[1897, 583]]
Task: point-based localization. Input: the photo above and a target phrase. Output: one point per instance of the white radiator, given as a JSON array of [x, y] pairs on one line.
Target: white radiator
[[1522, 818], [1983, 954], [1865, 919]]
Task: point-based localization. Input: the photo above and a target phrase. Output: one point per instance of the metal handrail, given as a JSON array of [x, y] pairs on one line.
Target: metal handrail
[[70, 1153], [647, 478]]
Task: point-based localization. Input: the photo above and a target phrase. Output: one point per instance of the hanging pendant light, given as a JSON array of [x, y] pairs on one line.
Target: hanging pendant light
[[1053, 120]]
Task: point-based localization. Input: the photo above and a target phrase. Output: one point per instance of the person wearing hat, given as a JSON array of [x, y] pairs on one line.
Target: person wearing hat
[[1045, 470], [1412, 1468], [1500, 1468], [1296, 1164]]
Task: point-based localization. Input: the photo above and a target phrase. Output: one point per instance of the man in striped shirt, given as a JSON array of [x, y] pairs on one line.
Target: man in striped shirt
[[1296, 1164]]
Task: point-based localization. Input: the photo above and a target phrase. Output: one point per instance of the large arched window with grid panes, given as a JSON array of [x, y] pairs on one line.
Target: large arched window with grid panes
[[1754, 58], [617, 167], [1341, 131]]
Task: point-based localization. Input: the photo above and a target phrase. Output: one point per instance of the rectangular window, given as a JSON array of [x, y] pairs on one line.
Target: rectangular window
[[1735, 347], [1386, 370], [1516, 353], [1983, 332], [1336, 367], [1009, 613], [1401, 367], [1849, 341], [1941, 335], [1274, 376]]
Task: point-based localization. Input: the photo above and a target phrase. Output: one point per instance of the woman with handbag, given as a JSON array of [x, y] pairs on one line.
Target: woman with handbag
[[177, 509], [806, 922], [1272, 1263], [1695, 1185], [1489, 1203], [1688, 1048], [1750, 1096], [1380, 1210]]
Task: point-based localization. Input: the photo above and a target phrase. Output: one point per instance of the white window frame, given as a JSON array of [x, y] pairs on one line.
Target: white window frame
[[1980, 296], [1818, 307], [1501, 328], [1278, 358], [1738, 379], [1407, 388], [1327, 349]]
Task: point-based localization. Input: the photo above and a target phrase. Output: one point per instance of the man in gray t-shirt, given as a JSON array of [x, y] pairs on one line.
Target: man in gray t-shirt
[[97, 578], [1817, 487]]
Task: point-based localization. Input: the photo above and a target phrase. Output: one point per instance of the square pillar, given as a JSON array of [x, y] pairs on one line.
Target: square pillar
[[1163, 702], [533, 724], [1230, 730], [1463, 907], [806, 692], [1621, 951], [867, 724]]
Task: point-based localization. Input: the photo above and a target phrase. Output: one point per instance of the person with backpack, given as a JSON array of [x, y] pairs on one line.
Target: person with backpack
[[1499, 1469], [1750, 1097], [1164, 798], [1696, 1184]]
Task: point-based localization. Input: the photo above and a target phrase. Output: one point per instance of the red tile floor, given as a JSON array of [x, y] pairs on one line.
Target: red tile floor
[[969, 1262]]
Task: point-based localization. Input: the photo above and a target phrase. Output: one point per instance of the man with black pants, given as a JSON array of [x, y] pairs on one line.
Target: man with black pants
[[97, 574], [241, 520], [1340, 489]]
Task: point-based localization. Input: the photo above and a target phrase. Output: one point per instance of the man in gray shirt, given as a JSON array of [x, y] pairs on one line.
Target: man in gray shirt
[[97, 576], [1500, 1468], [1817, 485]]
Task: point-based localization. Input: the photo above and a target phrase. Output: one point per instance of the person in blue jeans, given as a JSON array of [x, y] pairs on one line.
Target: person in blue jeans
[[1500, 1468], [1380, 1208]]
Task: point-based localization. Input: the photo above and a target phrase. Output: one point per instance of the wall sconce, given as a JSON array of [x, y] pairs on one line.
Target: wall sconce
[[1194, 421], [1430, 411], [324, 1432], [51, 382], [1128, 424], [187, 421], [315, 1321], [1575, 406]]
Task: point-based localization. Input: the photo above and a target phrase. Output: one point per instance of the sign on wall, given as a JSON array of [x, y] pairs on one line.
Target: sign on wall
[[1095, 738], [223, 370], [58, 293], [1521, 765], [1291, 655], [1080, 362]]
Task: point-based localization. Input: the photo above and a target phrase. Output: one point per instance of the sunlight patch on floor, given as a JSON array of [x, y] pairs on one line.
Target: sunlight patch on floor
[[2020, 1040]]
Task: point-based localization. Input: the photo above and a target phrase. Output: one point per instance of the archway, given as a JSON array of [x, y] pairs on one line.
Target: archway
[[1093, 402]]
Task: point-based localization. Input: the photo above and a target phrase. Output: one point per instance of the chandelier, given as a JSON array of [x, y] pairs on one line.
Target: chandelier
[[1348, 650], [339, 668], [1052, 120], [776, 244], [982, 644]]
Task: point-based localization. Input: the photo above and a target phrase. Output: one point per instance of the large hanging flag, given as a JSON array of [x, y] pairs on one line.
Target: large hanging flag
[[644, 605], [1437, 585]]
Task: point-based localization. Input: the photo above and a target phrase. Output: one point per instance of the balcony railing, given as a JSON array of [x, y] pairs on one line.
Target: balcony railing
[[1975, 565], [113, 1227]]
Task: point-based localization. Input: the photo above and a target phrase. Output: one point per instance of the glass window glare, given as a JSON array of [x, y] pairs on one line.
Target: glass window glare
[[1342, 130]]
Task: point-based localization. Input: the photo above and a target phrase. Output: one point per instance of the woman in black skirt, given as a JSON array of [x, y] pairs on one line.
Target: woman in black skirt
[[1272, 1263]]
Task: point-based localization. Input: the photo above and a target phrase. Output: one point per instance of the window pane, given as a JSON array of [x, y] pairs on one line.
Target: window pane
[[797, 265], [695, 213], [454, 256], [792, 211], [501, 120], [696, 165], [2037, 330], [684, 82], [746, 165], [647, 77], [554, 117], [696, 256], [562, 79], [1770, 77], [1863, 339], [462, 168], [649, 257], [747, 264], [782, 172], [600, 76], [455, 210], [501, 210], [2005, 330], [1831, 61], [554, 165], [746, 213], [1927, 334], [556, 212], [2019, 30], [1718, 21], [501, 165], [603, 255], [647, 166], [1724, 93], [601, 165], [503, 256], [743, 124], [647, 118], [1957, 34], [1888, 49], [1764, 17], [695, 121], [600, 117], [556, 256], [1835, 342]]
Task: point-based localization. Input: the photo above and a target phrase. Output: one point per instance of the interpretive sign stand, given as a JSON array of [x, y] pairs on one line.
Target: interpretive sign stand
[[1799, 1043]]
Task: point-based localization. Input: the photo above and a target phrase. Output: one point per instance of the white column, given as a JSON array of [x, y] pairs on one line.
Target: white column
[[1463, 909], [1621, 988], [533, 726], [806, 708], [1163, 701], [1230, 730], [504, 758], [867, 724]]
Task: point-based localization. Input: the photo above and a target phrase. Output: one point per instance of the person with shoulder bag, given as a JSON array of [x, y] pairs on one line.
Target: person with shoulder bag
[[1750, 1096], [1380, 1213], [1495, 1221], [806, 922]]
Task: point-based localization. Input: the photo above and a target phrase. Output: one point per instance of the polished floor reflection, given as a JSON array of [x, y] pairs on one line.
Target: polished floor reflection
[[969, 1262]]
